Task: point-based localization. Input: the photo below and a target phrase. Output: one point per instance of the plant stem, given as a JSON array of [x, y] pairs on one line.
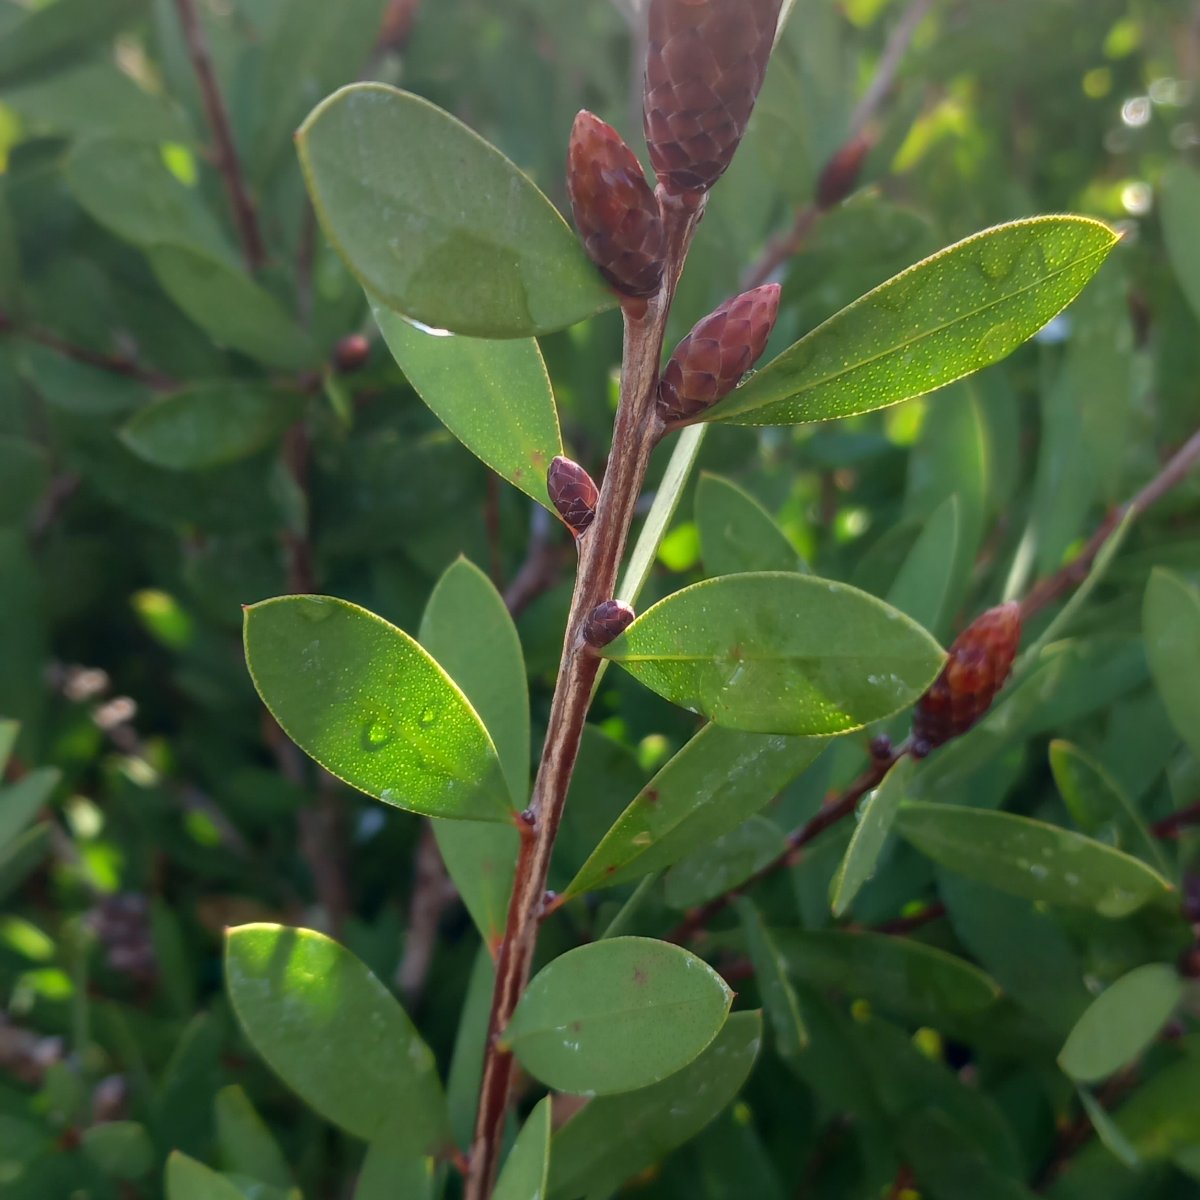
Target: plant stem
[[112, 363], [601, 548]]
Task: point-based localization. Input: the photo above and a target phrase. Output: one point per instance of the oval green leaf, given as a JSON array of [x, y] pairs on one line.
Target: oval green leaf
[[1171, 626], [779, 653], [335, 1035], [437, 223], [1029, 858], [20, 802], [959, 310], [617, 1015], [770, 974], [736, 533], [1121, 1022], [188, 1179], [494, 396], [527, 1167], [390, 1172], [373, 708], [246, 1144], [1179, 202]]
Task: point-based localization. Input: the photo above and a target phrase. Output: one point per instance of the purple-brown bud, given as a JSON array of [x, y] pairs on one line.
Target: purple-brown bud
[[607, 621], [351, 353], [616, 212], [572, 493], [708, 364], [978, 664], [840, 175], [705, 63]]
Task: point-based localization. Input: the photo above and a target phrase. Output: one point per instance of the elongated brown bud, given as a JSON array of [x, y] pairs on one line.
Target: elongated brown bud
[[704, 66], [978, 664], [616, 212], [572, 493], [607, 621], [840, 175], [721, 348]]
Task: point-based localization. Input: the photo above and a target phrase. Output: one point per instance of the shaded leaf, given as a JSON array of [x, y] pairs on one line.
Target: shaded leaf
[[778, 995], [1179, 201], [1171, 625], [922, 585], [724, 863], [1107, 1131], [188, 1179], [466, 1064], [119, 1149], [24, 473], [19, 803], [390, 1172], [246, 1144], [737, 533], [54, 33], [527, 1168]]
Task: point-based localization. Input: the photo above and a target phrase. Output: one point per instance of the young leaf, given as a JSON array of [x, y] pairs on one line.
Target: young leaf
[[1179, 202], [439, 224], [617, 1015], [1030, 858], [709, 788], [188, 1179], [737, 533], [615, 1137], [770, 973], [19, 802], [779, 653], [390, 1172], [724, 864], [922, 585], [1171, 624], [527, 1167], [1111, 1137], [963, 308], [335, 1035], [363, 699], [1121, 1022], [8, 739], [870, 835], [246, 1144], [494, 396]]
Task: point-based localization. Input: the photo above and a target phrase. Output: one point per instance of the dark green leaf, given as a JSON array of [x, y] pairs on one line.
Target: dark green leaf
[[1179, 201], [1171, 624], [24, 473], [8, 739], [363, 699], [74, 387], [617, 1015], [20, 802], [390, 1172], [466, 1065], [770, 974], [1107, 1131], [23, 856], [54, 33], [119, 1149], [737, 533], [245, 1142], [527, 1167], [922, 586], [724, 863], [437, 223], [188, 1179]]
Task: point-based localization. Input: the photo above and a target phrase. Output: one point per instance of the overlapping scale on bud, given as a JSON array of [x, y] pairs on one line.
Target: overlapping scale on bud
[[720, 349], [607, 621], [978, 664], [616, 211], [705, 64], [573, 494], [839, 177]]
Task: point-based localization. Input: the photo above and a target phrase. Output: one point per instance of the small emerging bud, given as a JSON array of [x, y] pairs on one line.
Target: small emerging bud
[[351, 353], [978, 664], [616, 212], [572, 493], [840, 175], [607, 621], [708, 364], [705, 63]]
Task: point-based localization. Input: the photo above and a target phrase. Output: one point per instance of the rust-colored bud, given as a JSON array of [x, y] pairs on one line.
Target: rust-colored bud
[[607, 621], [840, 174], [572, 493], [351, 353], [705, 63], [720, 349], [978, 664], [616, 212]]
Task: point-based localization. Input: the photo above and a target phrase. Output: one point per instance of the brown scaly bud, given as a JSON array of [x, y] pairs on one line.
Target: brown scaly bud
[[978, 664], [616, 212], [607, 621], [840, 175], [572, 493], [705, 63], [708, 364]]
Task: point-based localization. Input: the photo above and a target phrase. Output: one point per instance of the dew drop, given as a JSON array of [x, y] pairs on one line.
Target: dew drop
[[427, 718], [315, 610], [376, 735]]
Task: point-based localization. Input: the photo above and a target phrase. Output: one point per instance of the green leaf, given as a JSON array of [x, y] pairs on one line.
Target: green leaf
[[390, 1172], [1121, 1022], [335, 1035], [1179, 201], [709, 788], [24, 473], [466, 1064], [779, 653], [527, 1168], [770, 974], [617, 1015], [19, 803], [922, 585], [8, 739], [208, 424], [119, 1149], [1171, 625], [723, 864], [51, 34], [615, 1137], [737, 533], [437, 223], [875, 818], [246, 1144], [1111, 1137], [494, 396], [898, 974], [74, 387], [188, 1179], [1030, 858], [963, 308], [364, 700], [23, 856]]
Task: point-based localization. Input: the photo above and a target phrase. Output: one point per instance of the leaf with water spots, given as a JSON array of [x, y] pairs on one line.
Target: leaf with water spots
[[528, 1164], [774, 652], [617, 1015], [373, 708], [1030, 858], [947, 316], [335, 1035]]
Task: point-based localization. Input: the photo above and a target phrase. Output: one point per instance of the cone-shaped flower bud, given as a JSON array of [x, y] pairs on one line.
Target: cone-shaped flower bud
[[616, 212], [721, 348], [978, 664], [840, 175], [607, 621], [704, 66], [572, 493]]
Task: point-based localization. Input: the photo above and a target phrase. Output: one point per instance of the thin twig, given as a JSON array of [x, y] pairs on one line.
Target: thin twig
[[1177, 822], [114, 364], [227, 160]]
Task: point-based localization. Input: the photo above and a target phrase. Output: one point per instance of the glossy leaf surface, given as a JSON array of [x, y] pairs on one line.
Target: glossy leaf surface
[[779, 653], [1171, 624], [363, 699], [737, 533], [527, 1167], [617, 1015], [437, 223], [947, 316]]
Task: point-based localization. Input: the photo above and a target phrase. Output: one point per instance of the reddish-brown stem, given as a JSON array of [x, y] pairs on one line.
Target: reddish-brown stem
[[903, 925], [227, 160], [1177, 822], [114, 364]]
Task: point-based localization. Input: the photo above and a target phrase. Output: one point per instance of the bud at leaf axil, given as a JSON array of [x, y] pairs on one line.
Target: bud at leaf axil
[[607, 621], [572, 493]]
